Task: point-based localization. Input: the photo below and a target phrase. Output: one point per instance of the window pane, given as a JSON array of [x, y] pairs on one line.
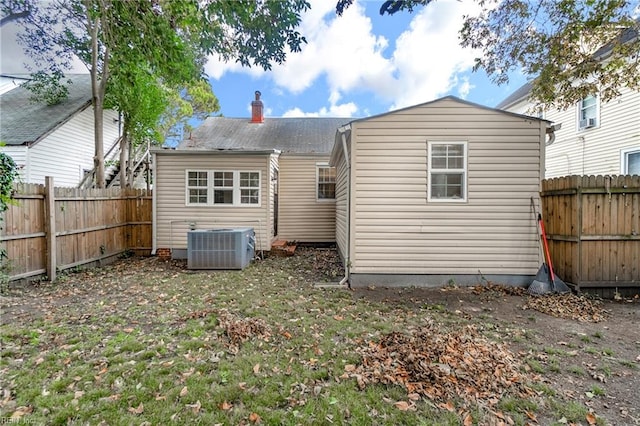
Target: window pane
[[439, 162], [455, 163], [249, 179], [223, 196], [249, 196], [633, 163], [327, 191], [198, 196], [455, 150], [224, 179], [447, 156], [448, 185], [197, 179]]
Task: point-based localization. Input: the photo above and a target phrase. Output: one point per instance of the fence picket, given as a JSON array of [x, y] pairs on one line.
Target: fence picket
[[91, 225]]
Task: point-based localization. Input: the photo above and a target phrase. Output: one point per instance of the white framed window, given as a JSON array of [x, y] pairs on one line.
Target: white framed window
[[197, 187], [325, 182], [630, 161], [223, 188], [588, 109], [447, 171]]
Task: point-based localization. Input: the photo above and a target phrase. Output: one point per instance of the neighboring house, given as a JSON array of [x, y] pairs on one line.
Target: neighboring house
[[439, 193], [595, 138], [55, 140], [270, 174]]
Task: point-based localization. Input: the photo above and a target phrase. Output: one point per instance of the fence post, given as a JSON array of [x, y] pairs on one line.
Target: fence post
[[50, 215]]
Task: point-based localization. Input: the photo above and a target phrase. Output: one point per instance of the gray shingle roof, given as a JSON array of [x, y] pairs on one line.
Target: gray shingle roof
[[25, 122], [288, 135], [520, 93]]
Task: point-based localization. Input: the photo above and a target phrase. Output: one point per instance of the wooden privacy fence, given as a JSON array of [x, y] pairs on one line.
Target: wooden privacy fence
[[593, 227], [52, 229]]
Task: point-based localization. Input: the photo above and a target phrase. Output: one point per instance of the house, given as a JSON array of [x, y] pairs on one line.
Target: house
[[595, 137], [439, 193], [270, 174], [56, 140]]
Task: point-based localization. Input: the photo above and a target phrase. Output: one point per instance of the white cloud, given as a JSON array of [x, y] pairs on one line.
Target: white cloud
[[427, 62], [342, 110], [465, 87]]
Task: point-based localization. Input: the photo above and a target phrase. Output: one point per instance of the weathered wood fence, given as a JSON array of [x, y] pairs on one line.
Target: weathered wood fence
[[52, 229], [593, 227]]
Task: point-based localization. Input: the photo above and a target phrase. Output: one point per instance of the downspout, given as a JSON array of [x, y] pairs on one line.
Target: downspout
[[347, 160], [551, 131]]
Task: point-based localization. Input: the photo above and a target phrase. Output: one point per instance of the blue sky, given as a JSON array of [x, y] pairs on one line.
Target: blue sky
[[356, 65], [362, 64]]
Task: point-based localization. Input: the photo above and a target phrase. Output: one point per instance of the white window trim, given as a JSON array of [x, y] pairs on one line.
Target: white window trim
[[322, 200], [210, 188], [579, 114], [187, 187], [464, 171], [624, 165]]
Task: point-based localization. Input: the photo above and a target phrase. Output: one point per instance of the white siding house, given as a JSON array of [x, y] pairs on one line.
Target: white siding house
[[55, 140], [439, 193]]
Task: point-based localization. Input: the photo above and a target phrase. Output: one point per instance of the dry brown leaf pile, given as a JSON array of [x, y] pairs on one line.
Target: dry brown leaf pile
[[498, 288], [568, 306], [240, 330], [443, 367]]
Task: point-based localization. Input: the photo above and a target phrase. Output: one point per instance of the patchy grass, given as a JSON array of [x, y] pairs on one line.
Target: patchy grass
[[147, 342]]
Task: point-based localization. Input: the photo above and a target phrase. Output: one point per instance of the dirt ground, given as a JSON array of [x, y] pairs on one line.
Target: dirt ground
[[577, 356]]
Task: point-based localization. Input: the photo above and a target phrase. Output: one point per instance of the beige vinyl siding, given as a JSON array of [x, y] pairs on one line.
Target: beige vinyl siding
[[342, 203], [173, 216], [273, 188], [301, 217], [395, 230]]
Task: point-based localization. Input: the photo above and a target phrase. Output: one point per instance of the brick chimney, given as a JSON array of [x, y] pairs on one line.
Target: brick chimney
[[257, 109]]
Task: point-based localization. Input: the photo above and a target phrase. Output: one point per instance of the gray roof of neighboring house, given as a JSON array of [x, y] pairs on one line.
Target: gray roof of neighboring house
[[520, 93], [26, 122], [289, 135]]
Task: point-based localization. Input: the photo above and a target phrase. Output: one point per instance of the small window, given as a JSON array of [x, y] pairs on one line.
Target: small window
[[326, 182], [630, 161], [447, 171], [588, 112], [249, 188], [222, 187], [197, 187]]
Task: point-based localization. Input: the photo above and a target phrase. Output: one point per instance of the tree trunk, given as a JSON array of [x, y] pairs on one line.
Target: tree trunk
[[125, 156]]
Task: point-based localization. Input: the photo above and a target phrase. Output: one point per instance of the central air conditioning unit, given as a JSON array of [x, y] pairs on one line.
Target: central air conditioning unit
[[231, 248]]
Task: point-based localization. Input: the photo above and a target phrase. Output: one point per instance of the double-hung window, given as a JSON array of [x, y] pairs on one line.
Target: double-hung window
[[630, 159], [588, 112], [447, 171], [325, 182], [223, 188]]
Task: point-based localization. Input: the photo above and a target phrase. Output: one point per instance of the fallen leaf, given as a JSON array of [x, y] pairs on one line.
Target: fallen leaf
[[138, 410], [21, 411], [468, 420], [402, 405], [338, 317], [531, 416], [184, 391], [591, 419], [195, 407], [254, 418], [128, 330], [39, 361], [349, 368], [256, 368], [287, 335], [226, 406], [448, 406]]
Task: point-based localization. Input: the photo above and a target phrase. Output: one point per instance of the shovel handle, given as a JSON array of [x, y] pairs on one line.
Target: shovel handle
[[546, 247]]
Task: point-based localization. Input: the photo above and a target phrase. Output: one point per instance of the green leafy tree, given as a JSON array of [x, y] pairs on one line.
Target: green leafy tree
[[8, 175], [569, 48], [169, 39]]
